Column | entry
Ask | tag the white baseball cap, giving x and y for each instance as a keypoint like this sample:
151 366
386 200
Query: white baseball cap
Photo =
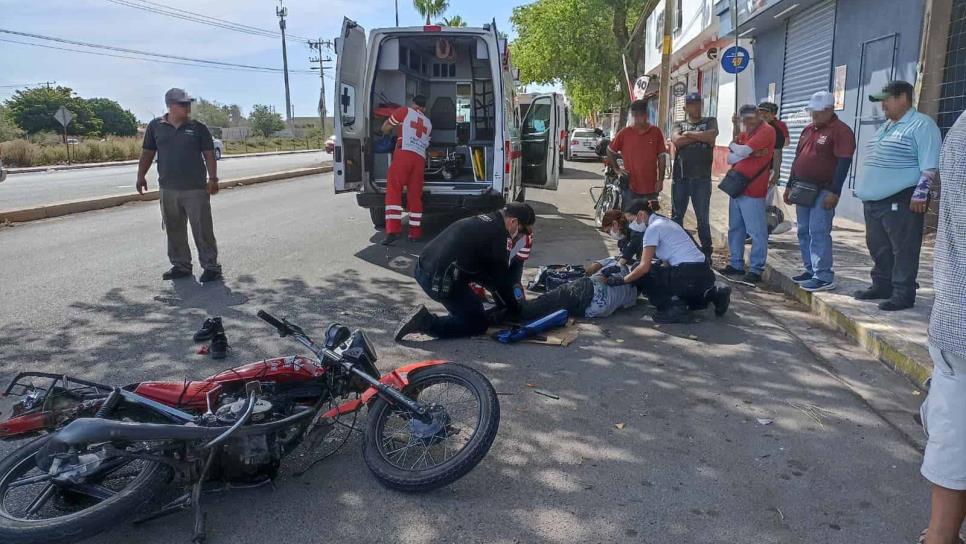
820 101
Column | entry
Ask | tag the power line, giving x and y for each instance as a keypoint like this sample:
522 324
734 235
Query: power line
101 54
185 15
145 53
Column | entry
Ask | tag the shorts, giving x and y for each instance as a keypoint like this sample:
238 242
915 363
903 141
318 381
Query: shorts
944 421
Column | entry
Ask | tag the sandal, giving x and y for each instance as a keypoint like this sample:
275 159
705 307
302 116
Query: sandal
922 537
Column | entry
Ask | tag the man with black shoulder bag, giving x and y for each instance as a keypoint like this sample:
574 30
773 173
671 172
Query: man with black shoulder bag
822 162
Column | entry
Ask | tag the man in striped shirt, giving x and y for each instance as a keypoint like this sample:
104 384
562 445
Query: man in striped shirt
893 182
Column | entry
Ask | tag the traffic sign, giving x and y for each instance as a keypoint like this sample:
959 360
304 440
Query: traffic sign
735 59
63 116
640 87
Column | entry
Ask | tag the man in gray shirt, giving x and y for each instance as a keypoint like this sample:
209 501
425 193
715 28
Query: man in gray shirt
185 151
944 410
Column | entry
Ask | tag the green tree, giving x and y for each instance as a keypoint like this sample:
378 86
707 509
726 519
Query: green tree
114 119
580 43
264 121
8 129
455 20
211 113
431 8
33 111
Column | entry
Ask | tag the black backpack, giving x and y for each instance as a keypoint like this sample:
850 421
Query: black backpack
554 275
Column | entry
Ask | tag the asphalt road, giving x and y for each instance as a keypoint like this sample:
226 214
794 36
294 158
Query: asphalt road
41 188
759 427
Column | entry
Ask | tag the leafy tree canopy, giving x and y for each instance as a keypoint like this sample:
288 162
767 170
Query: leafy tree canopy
114 119
33 111
264 121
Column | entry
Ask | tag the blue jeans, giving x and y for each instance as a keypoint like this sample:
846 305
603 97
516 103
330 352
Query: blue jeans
746 217
815 238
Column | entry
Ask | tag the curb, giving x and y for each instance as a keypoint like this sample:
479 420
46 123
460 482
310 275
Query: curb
910 360
58 167
77 206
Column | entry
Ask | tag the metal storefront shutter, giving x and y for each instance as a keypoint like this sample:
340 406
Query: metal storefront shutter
808 69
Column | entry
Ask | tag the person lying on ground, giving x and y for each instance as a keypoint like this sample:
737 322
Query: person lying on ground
684 272
584 297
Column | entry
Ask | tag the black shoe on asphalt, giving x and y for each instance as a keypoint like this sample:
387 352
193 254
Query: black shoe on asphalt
210 275
175 273
208 329
390 239
872 293
751 277
721 299
219 345
673 314
415 321
894 305
730 271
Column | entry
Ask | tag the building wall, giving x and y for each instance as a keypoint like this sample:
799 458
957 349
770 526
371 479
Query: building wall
698 16
769 52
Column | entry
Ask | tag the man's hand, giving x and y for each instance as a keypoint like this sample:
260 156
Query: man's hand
141 185
787 194
615 281
610 270
773 181
831 201
919 206
212 186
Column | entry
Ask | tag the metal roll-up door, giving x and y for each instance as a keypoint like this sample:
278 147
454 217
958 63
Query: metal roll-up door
808 69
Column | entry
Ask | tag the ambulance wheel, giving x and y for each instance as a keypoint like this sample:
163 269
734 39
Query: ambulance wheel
378 216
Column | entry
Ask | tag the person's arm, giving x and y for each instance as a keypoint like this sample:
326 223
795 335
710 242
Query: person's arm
613 149
678 137
661 161
149 148
928 149
394 120
207 144
708 136
838 181
503 281
776 169
635 243
643 268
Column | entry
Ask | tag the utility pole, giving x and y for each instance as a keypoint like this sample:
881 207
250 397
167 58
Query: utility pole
397 12
282 12
665 88
317 46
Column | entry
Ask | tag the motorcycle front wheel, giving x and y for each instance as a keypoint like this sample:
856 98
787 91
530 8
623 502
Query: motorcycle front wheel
36 509
409 454
608 201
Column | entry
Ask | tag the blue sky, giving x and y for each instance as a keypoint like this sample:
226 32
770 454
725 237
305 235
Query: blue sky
139 86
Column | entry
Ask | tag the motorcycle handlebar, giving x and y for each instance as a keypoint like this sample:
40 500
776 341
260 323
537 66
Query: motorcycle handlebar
273 321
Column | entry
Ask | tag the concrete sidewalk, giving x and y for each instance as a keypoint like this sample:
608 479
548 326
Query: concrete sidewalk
897 338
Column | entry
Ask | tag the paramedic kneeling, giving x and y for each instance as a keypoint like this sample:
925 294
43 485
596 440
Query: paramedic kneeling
685 272
407 169
470 250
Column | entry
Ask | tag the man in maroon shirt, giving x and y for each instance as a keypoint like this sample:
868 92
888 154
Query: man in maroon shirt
823 158
644 153
750 155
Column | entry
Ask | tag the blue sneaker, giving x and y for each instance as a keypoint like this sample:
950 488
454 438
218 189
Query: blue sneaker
816 284
802 278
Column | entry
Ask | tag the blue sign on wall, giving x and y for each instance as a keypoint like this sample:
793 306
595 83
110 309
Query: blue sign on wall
735 59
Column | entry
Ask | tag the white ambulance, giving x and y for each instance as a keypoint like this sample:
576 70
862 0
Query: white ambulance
482 153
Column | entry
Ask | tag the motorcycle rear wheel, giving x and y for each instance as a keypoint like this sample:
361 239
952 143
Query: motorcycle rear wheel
119 504
608 201
389 457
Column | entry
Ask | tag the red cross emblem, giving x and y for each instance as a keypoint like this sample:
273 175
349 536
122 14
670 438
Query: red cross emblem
419 127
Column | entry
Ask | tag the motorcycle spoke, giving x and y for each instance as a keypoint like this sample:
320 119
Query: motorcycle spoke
29 481
94 490
41 499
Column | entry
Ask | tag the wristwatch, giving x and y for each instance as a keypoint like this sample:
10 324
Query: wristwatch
212 179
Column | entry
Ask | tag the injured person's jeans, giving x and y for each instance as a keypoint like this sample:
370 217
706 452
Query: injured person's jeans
574 297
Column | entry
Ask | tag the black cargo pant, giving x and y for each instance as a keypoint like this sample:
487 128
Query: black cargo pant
893 234
574 297
466 314
690 282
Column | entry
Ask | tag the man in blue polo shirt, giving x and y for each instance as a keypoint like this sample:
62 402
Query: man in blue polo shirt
894 182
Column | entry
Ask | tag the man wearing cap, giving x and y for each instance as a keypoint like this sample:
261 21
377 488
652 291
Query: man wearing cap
693 139
750 155
769 114
822 159
185 151
471 250
894 181
644 153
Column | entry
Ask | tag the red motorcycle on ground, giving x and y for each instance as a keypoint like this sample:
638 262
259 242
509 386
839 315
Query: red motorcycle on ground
106 452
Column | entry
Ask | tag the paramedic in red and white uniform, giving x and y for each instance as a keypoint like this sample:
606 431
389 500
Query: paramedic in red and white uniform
407 168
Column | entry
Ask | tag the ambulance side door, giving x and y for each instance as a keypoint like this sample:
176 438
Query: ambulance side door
540 140
351 121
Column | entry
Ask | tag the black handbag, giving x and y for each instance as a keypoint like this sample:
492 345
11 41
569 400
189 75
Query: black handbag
734 183
803 193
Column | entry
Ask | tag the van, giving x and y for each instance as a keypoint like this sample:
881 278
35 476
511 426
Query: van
482 154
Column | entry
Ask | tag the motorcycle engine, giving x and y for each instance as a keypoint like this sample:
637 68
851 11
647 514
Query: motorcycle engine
249 458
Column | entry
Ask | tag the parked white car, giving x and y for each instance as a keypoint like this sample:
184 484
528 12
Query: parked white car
3 172
583 143
219 149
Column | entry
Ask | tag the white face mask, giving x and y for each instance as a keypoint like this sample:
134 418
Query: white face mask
615 234
638 227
